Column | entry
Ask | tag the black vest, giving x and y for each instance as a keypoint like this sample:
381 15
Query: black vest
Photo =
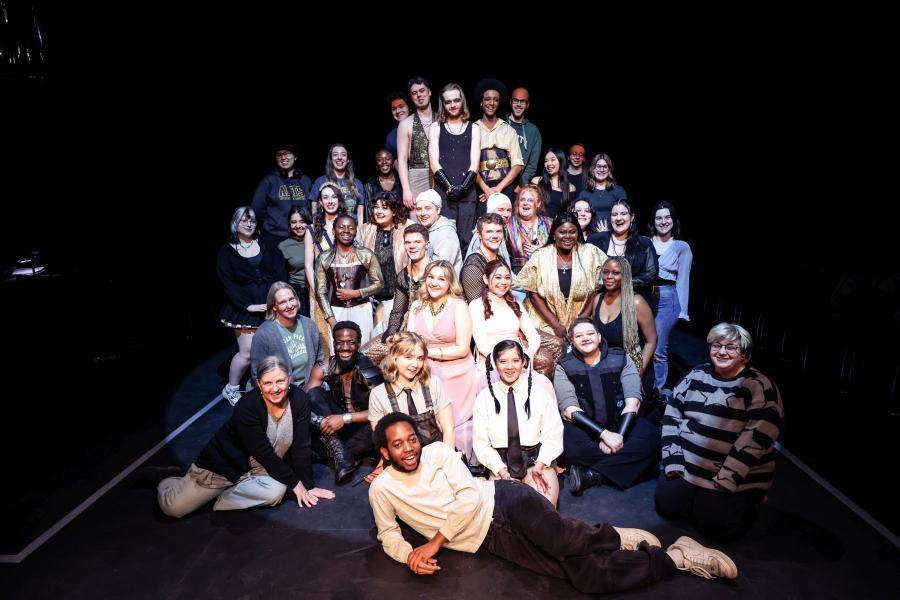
366 376
609 392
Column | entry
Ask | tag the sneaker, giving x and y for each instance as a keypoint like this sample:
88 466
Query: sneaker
631 538
232 393
702 561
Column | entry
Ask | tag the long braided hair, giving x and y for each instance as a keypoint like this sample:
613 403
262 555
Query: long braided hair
627 310
499 349
489 269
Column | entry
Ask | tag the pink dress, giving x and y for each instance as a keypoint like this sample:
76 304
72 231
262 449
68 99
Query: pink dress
458 376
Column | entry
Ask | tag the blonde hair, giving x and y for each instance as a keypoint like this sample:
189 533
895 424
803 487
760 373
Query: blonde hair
423 299
402 344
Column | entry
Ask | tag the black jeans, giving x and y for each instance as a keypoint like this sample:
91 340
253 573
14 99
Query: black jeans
721 515
303 296
624 468
529 532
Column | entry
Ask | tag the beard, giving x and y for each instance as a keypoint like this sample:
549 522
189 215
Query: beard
402 468
346 365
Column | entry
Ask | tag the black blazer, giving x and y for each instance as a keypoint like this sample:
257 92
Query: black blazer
244 435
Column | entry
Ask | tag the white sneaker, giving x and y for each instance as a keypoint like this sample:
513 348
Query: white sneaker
232 393
632 538
704 562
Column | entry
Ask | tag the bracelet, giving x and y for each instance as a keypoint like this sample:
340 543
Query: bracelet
348 418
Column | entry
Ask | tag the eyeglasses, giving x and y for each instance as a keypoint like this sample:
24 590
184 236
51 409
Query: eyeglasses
730 349
519 101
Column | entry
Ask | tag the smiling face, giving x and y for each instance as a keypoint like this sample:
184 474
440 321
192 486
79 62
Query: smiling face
576 156
285 159
600 170
527 205
384 215
274 385
346 344
519 102
490 102
384 162
611 275
403 447
329 199
339 158
453 102
582 210
509 365
421 95
286 307
427 213
437 283
663 221
298 226
586 339
399 109
499 282
551 163
726 357
409 364
620 218
567 237
505 211
345 230
247 226
491 236
415 246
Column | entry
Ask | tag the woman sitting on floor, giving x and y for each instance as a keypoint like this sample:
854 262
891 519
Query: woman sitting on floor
259 454
520 437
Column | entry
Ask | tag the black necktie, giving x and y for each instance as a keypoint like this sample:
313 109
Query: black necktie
410 405
514 459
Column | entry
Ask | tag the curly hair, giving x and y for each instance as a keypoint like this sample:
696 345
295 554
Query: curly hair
392 202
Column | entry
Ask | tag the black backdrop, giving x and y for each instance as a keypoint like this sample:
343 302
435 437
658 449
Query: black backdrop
124 163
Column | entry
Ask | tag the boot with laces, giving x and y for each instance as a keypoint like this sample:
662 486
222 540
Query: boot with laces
702 561
632 538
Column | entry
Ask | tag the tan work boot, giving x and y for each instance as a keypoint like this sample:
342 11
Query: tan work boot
631 538
703 561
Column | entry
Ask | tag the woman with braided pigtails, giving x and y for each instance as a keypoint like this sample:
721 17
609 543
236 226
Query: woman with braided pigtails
519 436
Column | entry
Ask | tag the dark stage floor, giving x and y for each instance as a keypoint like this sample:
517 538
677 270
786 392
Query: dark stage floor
806 544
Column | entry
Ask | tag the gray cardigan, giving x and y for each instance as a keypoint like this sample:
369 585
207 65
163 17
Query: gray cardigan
267 342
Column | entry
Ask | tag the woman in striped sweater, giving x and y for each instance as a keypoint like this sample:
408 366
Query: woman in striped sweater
718 439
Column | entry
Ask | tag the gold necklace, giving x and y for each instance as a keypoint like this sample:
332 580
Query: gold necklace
434 312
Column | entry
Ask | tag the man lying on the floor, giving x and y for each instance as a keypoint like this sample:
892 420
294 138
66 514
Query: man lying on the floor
431 490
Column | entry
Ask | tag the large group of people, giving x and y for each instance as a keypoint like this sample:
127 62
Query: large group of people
469 312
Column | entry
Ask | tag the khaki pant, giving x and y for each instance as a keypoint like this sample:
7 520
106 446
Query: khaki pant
179 496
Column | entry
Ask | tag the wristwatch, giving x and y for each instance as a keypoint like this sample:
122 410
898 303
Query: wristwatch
348 418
